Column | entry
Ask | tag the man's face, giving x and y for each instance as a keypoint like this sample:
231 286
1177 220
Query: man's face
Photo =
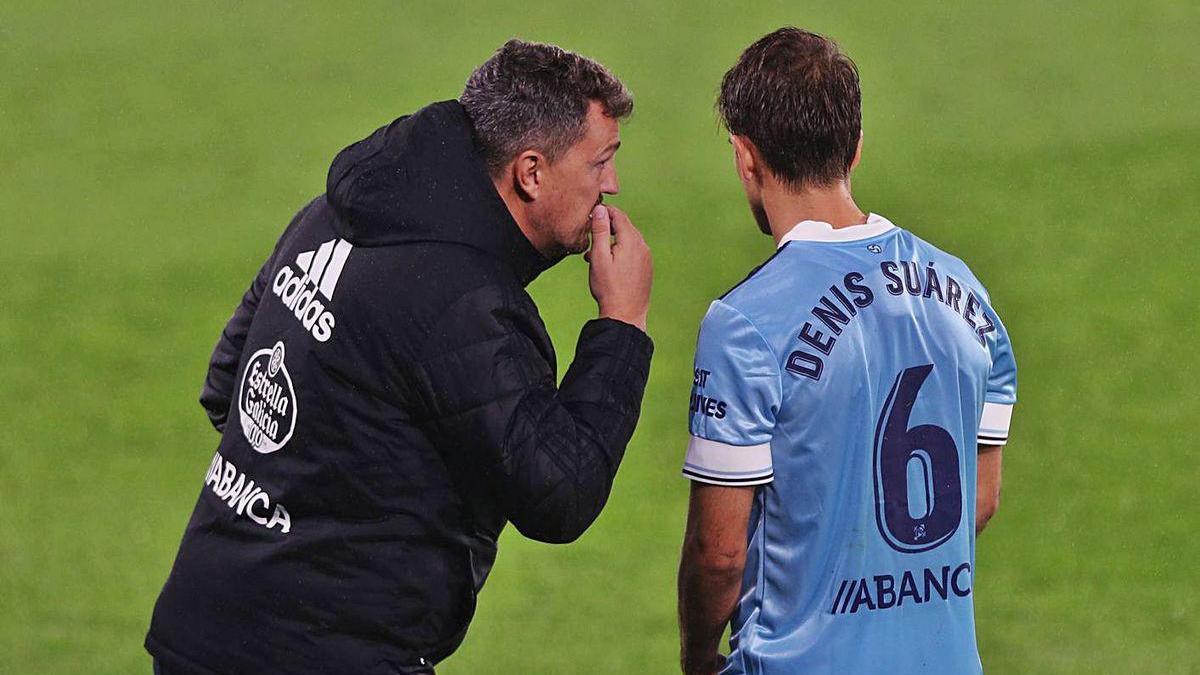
576 183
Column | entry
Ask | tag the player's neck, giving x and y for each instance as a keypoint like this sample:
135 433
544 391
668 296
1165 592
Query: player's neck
834 205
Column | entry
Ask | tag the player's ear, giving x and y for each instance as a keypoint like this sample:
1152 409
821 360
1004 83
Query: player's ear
745 159
527 174
857 152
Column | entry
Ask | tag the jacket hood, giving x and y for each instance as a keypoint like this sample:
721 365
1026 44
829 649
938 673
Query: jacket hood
422 179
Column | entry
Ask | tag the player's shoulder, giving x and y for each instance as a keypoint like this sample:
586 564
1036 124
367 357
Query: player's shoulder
927 251
756 297
755 281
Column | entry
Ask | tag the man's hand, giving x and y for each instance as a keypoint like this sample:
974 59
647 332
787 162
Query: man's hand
621 270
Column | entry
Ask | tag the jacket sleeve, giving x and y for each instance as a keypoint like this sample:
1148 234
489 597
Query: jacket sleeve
548 454
216 396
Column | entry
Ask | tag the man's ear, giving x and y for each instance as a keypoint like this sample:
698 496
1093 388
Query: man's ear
857 152
745 158
527 172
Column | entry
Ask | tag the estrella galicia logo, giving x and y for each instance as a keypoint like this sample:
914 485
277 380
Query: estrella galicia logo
875 248
267 400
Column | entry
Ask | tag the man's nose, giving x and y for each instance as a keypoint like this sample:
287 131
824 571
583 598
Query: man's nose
610 185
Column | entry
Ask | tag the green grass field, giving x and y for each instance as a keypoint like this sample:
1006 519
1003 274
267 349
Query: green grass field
152 153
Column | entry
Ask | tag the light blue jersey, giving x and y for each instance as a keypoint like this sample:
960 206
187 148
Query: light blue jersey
852 376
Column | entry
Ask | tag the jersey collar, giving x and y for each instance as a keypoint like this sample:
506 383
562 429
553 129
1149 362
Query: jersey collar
815 230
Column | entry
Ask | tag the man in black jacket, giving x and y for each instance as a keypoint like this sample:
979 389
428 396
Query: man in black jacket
386 390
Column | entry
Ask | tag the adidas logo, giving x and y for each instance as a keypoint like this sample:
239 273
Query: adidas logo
319 273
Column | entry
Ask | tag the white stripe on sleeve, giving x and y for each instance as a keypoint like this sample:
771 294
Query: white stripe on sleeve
994 423
722 464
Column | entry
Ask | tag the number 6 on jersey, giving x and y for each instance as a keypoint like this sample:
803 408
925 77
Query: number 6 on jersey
918 492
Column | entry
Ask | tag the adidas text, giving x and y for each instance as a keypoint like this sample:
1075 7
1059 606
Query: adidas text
301 292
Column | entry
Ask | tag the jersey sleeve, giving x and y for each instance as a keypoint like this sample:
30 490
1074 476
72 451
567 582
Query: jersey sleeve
1001 390
736 392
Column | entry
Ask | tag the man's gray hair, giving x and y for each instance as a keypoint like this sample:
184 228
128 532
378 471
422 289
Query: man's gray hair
531 95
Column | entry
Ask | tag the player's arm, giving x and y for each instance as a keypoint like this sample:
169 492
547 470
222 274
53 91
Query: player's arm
736 392
994 424
710 571
987 492
217 394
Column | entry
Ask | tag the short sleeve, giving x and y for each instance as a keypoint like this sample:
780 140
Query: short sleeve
735 397
1001 390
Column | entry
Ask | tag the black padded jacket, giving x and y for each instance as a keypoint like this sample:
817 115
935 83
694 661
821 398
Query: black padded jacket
387 397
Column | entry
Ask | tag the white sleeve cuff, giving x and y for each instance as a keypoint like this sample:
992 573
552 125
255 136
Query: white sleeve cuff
722 464
993 424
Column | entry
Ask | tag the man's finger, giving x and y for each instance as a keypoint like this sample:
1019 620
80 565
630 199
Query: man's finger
601 230
622 226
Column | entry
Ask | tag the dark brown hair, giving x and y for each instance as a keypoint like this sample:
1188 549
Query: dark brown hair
535 95
795 95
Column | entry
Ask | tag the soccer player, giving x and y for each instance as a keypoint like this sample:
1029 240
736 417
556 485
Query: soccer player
849 403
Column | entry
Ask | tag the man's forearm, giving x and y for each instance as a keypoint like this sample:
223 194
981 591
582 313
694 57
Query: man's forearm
708 593
565 446
549 453
710 570
217 393
987 486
